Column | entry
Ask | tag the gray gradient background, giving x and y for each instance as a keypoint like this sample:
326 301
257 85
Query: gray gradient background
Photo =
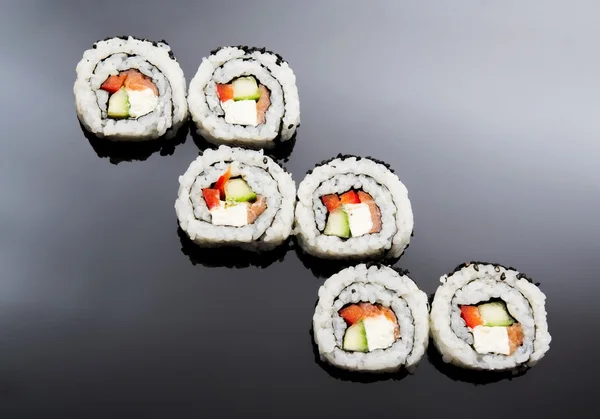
488 111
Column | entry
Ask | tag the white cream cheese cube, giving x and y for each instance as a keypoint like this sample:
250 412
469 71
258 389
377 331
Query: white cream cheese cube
379 331
242 112
230 215
359 218
491 340
141 102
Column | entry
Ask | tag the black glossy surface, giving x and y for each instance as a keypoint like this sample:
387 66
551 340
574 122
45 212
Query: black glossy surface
488 113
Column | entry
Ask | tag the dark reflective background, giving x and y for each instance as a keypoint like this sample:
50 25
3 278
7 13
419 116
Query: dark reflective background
488 113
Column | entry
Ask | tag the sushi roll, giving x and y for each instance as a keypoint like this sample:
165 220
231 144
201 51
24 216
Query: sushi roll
236 197
352 207
130 89
488 317
371 319
243 96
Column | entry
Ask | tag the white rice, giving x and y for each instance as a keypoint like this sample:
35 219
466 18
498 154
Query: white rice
377 285
338 176
282 117
263 175
108 58
478 282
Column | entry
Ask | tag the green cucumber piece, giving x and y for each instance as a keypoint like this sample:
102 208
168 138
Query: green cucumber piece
495 314
245 88
238 190
338 224
355 338
118 104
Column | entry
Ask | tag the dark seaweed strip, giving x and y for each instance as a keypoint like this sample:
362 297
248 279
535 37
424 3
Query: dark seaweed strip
452 303
250 50
343 157
337 297
279 61
493 299
153 66
126 38
412 343
349 238
516 289
348 156
278 136
247 164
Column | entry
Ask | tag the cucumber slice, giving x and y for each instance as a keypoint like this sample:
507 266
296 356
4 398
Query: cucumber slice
238 190
245 88
495 314
355 338
338 224
118 104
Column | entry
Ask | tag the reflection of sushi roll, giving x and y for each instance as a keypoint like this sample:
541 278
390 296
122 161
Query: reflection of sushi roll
371 319
130 89
232 196
244 96
488 317
352 207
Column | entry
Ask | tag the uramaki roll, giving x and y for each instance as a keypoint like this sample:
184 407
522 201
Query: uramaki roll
353 207
232 196
371 319
488 317
244 96
130 89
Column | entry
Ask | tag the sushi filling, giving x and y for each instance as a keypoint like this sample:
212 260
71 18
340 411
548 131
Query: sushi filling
132 95
352 214
494 330
370 327
232 202
244 101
